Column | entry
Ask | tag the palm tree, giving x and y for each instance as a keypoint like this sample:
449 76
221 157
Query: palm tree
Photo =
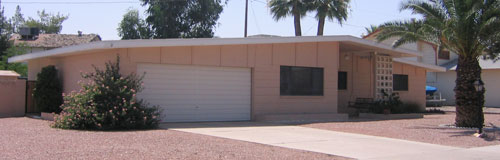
331 9
371 29
466 27
283 8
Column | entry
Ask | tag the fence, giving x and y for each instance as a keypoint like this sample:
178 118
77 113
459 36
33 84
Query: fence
12 94
30 101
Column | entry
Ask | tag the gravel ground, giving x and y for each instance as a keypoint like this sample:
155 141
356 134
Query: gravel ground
492 110
423 130
26 138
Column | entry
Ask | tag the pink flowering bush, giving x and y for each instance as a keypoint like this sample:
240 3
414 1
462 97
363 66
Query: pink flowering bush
107 101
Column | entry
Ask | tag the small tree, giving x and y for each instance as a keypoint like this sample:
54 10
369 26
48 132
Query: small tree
107 101
48 90
133 26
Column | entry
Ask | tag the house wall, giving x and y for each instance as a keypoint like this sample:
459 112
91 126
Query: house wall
416 83
12 95
35 66
264 59
490 77
360 79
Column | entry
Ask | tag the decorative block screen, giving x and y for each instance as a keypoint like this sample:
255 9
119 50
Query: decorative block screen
383 72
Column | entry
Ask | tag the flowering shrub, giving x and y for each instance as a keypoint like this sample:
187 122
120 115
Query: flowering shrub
107 100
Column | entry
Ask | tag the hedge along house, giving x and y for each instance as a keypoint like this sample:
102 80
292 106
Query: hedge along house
233 79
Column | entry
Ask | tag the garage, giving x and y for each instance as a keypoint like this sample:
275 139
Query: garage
188 93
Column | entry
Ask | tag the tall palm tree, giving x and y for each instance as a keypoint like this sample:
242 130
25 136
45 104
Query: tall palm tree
331 9
283 8
469 28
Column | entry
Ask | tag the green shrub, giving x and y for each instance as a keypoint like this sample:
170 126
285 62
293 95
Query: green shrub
435 111
48 90
395 105
107 101
407 107
388 102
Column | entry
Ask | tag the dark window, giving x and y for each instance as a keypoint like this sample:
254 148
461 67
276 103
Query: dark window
301 81
400 82
342 83
444 55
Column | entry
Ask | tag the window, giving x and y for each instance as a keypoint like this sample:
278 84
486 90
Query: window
444 55
400 82
342 83
301 81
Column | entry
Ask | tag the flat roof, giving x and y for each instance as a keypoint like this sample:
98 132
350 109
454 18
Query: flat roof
115 44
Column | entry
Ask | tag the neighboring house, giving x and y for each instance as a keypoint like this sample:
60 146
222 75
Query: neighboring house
445 81
232 79
42 42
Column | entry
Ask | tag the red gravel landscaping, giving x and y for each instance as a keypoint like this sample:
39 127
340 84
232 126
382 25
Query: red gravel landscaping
425 130
26 138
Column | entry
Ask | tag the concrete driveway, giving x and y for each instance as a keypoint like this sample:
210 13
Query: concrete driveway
330 142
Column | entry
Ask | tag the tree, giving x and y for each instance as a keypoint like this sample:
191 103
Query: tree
48 22
4 40
466 27
4 33
183 19
11 51
17 20
284 8
133 27
331 9
371 29
48 90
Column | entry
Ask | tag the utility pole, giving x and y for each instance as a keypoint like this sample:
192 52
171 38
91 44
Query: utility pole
246 17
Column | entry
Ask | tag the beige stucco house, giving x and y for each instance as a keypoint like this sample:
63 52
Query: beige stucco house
232 79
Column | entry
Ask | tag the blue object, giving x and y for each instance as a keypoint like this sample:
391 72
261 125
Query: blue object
430 89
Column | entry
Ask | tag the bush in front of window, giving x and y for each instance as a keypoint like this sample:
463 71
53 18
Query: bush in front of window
107 101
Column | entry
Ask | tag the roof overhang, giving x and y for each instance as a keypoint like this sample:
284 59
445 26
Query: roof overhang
429 67
116 44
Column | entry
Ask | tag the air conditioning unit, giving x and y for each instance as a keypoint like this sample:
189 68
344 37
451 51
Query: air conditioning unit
29 32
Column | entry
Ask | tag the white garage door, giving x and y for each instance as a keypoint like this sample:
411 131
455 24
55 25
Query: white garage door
194 93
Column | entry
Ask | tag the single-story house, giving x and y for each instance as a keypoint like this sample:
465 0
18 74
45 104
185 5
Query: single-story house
260 78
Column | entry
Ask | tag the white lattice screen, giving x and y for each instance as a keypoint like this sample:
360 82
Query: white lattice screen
383 72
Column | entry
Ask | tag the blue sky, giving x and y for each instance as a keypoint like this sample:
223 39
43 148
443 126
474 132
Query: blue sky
103 18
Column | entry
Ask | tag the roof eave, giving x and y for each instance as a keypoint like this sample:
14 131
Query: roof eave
429 67
203 42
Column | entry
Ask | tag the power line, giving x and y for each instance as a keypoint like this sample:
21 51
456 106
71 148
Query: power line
77 2
255 18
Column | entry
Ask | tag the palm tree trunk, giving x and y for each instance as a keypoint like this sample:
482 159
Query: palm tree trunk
321 26
296 20
469 102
